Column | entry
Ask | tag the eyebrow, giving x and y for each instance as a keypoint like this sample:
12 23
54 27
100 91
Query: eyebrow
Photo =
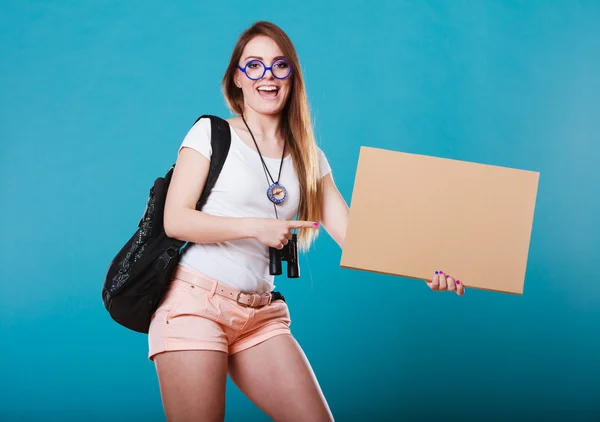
260 58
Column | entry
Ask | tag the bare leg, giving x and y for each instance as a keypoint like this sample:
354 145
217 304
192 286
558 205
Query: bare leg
278 378
192 385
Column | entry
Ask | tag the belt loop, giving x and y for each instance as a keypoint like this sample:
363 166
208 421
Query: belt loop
213 289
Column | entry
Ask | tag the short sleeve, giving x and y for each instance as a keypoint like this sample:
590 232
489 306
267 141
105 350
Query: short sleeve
198 138
324 167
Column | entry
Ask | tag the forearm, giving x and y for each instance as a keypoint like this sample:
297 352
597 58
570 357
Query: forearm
335 212
198 227
336 226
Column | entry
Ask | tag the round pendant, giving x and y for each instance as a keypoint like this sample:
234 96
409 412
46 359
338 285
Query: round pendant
277 193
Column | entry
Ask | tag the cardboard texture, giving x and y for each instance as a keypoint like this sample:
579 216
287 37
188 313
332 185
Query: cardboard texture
411 215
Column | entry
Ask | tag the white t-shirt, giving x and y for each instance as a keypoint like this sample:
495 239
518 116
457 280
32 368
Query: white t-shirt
241 191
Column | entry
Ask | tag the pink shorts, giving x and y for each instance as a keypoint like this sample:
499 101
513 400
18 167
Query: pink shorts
190 318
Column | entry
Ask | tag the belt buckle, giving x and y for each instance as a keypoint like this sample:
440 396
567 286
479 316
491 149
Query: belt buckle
237 299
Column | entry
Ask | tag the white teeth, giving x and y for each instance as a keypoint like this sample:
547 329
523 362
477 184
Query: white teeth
267 88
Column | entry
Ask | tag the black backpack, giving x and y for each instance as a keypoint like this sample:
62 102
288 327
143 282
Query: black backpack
139 276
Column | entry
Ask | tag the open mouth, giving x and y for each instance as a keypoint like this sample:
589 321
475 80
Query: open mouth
268 92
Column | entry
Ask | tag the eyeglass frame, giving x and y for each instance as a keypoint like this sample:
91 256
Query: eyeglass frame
265 68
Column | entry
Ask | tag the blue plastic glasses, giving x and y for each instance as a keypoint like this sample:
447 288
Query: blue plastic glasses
255 69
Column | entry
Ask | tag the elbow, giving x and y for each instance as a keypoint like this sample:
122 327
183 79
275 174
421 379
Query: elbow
170 225
340 239
338 234
170 231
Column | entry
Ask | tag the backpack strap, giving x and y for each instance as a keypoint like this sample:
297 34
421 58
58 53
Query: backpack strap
220 140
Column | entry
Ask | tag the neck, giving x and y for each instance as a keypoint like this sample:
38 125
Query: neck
263 126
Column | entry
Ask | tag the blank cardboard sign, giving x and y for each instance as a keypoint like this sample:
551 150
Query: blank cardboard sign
413 214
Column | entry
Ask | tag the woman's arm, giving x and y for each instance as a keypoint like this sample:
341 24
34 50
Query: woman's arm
181 219
334 211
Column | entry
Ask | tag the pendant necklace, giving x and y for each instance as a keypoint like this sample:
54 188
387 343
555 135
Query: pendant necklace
277 193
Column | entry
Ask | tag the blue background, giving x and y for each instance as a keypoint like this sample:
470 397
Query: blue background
97 96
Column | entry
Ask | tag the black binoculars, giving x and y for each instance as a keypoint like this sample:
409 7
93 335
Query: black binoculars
289 253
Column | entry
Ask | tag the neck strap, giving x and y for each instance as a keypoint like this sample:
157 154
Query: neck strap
267 172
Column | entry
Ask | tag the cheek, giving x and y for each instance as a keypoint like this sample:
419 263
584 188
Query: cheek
287 90
244 83
247 88
285 85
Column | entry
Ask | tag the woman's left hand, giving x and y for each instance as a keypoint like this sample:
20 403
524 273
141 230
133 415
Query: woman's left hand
443 282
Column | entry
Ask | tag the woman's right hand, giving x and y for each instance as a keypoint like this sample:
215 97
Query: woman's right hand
277 233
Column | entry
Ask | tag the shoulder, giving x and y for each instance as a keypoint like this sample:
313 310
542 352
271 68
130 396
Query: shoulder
201 127
198 137
203 124
324 166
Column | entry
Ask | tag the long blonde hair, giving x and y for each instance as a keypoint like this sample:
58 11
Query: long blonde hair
296 126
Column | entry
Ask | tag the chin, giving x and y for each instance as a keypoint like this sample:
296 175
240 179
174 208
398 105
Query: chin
270 111
268 108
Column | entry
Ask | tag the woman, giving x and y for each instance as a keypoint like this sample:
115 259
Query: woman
209 325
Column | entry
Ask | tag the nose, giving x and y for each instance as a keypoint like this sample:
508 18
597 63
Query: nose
268 73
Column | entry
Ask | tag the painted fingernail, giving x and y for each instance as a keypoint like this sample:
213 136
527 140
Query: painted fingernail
436 272
316 224
441 272
457 281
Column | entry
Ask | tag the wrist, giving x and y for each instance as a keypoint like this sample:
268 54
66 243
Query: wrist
248 226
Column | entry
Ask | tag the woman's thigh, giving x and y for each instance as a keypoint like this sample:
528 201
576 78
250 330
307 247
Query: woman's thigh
192 384
278 378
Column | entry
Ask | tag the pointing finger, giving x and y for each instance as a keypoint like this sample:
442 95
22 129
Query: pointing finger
298 224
